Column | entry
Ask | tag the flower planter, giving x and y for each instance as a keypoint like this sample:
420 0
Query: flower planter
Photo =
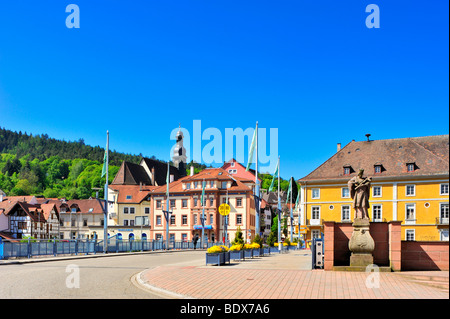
274 250
248 253
258 252
237 254
266 250
217 258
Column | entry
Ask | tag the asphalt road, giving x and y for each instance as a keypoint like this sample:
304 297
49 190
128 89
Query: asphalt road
92 278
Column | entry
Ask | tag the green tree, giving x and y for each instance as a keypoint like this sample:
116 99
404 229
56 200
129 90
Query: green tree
238 239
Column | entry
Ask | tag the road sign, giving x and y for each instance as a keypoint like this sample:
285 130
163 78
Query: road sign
224 209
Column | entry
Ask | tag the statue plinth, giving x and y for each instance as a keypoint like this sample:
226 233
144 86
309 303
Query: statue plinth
361 244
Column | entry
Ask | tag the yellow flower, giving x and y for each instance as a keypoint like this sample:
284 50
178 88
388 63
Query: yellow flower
217 249
236 248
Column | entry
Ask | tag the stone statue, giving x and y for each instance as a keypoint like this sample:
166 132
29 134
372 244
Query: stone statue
359 187
361 244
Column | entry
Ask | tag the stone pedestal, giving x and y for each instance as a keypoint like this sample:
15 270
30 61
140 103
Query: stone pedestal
361 244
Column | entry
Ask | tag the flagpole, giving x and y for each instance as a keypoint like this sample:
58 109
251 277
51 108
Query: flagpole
292 215
258 229
105 223
203 213
279 208
167 208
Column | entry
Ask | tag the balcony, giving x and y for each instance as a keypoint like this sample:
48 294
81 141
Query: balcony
315 222
442 221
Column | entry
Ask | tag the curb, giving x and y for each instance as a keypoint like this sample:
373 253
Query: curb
156 290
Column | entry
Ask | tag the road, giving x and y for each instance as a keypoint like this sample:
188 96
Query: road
92 278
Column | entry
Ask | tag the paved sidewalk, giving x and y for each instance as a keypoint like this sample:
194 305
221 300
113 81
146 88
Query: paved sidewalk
282 276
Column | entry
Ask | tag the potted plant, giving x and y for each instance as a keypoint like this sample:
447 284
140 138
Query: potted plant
266 249
248 251
217 255
257 251
258 243
236 252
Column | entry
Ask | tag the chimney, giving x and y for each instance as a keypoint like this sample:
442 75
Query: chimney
338 147
192 170
368 135
153 176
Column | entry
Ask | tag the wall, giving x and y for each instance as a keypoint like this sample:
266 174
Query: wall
390 250
420 255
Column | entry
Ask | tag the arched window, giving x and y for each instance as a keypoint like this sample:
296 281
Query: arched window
144 236
131 236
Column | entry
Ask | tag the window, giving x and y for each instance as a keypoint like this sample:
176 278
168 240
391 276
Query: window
188 185
73 223
410 167
224 200
410 190
172 203
345 192
61 222
211 219
315 233
125 222
184 203
232 164
444 234
224 184
129 197
239 202
211 201
410 234
158 220
85 222
376 213
125 210
346 170
410 213
195 219
315 213
158 204
377 169
184 219
238 219
147 210
73 210
316 193
131 210
444 189
158 237
195 201
444 208
211 184
184 237
172 220
195 184
376 190
131 222
345 213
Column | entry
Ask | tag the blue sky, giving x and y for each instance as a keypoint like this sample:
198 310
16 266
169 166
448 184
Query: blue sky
312 69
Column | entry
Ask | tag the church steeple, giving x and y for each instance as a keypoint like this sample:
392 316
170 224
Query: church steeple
179 154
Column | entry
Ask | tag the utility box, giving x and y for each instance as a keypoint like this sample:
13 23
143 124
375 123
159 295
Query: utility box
317 251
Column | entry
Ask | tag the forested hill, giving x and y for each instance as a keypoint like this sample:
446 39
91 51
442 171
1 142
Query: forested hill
40 165
43 147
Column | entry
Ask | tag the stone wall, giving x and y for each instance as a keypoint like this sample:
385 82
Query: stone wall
424 255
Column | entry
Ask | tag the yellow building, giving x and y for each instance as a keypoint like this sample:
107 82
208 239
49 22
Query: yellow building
410 183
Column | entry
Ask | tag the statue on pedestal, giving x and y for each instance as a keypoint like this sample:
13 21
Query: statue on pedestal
361 244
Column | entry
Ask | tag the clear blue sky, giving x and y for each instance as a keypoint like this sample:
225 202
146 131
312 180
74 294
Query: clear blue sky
312 69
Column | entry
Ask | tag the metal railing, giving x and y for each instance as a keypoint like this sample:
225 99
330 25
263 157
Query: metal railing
441 220
45 247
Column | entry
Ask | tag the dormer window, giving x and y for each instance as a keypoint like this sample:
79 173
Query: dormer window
129 197
378 168
411 167
348 169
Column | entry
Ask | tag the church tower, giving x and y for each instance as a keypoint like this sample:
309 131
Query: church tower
179 154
